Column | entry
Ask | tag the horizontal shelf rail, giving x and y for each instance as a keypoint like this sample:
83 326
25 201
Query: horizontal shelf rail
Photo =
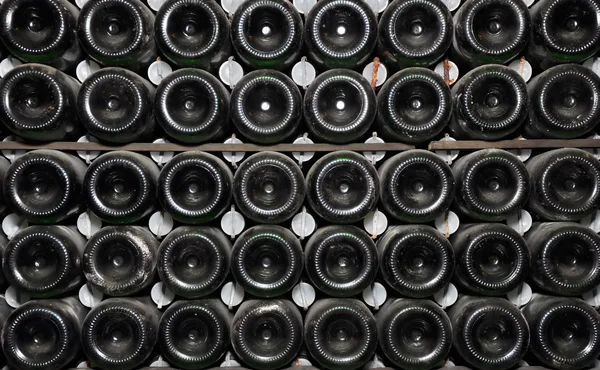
514 144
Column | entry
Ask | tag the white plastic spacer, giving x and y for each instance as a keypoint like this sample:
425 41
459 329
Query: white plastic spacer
232 223
593 64
161 157
11 154
529 3
85 69
522 67
304 6
378 6
230 6
520 222
523 154
14 298
12 224
302 157
88 224
521 295
161 295
7 64
160 224
229 361
303 224
155 4
232 294
80 3
375 223
592 221
82 365
303 295
158 70
233 157
447 223
88 155
375 363
452 4
303 73
592 297
231 72
447 296
89 296
453 71
375 295
374 157
381 73
301 361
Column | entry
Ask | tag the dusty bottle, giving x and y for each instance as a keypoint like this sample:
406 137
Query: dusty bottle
415 33
39 103
339 106
269 187
41 31
488 333
120 187
120 260
416 186
564 184
194 261
193 33
414 333
490 31
118 33
267 33
491 184
563 32
491 259
115 105
266 106
341 260
192 106
267 260
194 334
565 258
267 334
416 260
490 103
414 105
195 187
340 333
44 334
564 103
44 261
342 187
44 186
341 33
120 333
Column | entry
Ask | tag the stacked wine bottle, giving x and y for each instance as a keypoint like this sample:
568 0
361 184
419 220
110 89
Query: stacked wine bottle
122 252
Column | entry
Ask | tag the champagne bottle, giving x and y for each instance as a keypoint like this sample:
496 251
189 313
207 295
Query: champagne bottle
490 103
193 33
563 32
488 333
195 187
491 259
564 184
194 261
120 333
340 333
44 186
267 334
115 105
191 105
194 334
44 261
41 31
269 187
267 33
416 260
39 103
120 260
120 187
565 256
564 103
339 105
415 33
491 184
267 260
43 334
490 31
342 187
118 33
565 332
340 33
416 186
266 106
414 333
341 260
414 105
